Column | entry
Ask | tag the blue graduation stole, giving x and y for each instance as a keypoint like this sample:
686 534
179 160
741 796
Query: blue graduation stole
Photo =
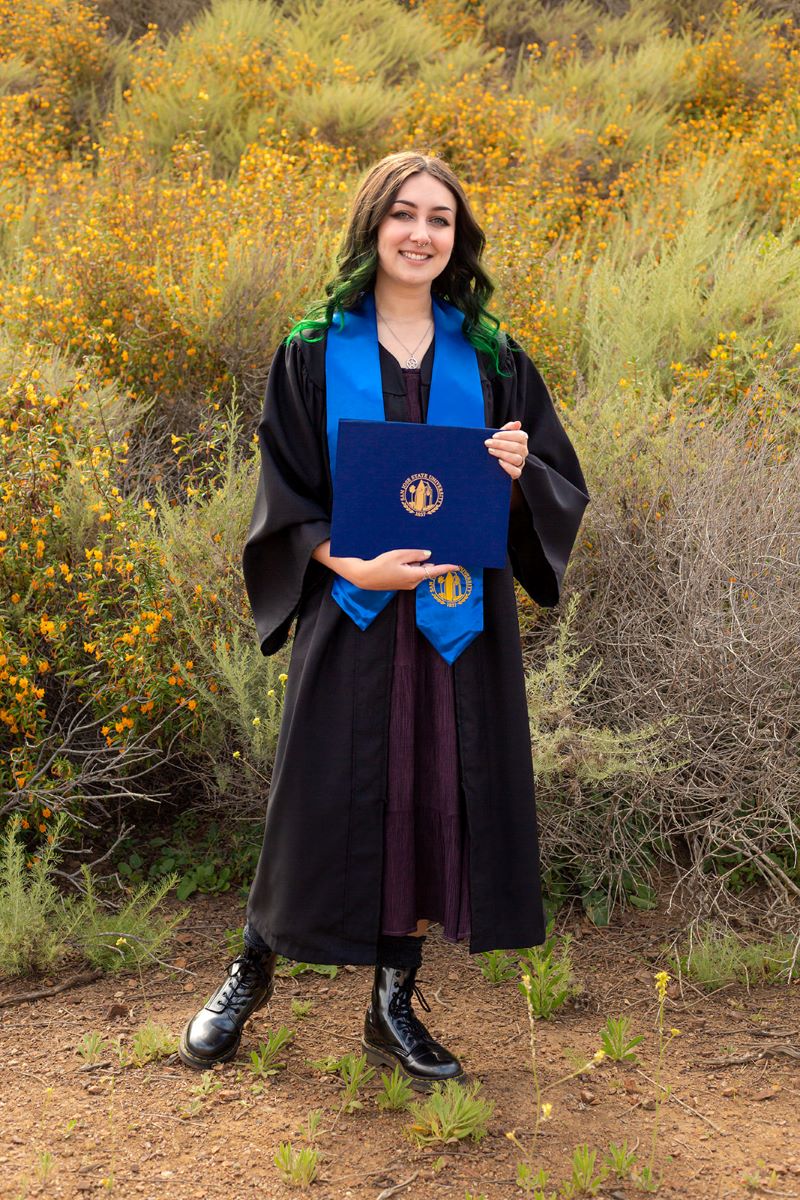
449 608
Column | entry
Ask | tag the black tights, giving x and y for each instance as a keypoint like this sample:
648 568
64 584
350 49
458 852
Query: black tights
391 951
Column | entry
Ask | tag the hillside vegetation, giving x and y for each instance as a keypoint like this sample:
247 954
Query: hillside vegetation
173 181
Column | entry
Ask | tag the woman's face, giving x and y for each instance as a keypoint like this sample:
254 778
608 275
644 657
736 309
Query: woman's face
415 238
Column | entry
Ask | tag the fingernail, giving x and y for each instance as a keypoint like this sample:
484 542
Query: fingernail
427 553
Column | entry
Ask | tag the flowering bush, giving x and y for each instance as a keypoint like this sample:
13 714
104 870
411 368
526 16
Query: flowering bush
171 202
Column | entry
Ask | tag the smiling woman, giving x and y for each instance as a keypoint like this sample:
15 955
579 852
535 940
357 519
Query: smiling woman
415 241
402 791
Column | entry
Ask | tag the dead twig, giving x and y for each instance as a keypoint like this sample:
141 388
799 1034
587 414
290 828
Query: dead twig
76 981
398 1187
737 1060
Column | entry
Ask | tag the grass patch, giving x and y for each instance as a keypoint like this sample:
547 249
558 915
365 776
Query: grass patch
298 1168
715 958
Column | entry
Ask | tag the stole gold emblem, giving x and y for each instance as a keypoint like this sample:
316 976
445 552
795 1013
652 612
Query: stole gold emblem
451 588
421 495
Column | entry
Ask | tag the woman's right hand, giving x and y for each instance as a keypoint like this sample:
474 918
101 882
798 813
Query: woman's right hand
394 570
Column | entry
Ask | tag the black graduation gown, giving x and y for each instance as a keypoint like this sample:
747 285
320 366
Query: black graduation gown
317 888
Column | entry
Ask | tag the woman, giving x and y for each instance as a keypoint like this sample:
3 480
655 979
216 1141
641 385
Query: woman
402 791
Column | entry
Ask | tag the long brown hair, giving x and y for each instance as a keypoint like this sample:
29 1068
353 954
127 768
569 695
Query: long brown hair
463 282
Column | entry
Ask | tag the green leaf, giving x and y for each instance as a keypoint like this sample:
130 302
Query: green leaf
299 967
595 905
185 888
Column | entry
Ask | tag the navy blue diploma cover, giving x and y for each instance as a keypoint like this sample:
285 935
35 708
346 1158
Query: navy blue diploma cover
403 485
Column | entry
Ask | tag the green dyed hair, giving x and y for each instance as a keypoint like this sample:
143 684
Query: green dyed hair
463 282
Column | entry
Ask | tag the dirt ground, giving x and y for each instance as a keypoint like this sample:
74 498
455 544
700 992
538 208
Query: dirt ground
720 1127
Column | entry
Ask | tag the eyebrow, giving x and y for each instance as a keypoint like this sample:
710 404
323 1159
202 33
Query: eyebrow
436 207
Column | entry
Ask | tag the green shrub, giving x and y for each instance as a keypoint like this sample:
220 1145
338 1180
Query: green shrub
31 913
450 1112
548 980
132 935
593 843
617 1041
39 928
353 1072
497 966
149 1043
396 1091
264 1061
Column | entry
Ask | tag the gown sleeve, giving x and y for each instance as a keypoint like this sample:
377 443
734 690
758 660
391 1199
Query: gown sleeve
291 515
545 519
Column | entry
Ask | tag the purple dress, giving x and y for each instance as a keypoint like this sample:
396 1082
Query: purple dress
426 839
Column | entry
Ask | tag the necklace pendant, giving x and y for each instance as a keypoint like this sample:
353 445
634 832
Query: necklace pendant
411 363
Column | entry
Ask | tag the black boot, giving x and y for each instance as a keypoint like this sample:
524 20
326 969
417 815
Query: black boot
394 1036
214 1033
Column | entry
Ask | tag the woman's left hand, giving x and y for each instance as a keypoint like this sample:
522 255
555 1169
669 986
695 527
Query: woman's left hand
509 446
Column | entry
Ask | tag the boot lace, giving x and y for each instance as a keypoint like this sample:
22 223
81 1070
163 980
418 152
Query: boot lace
250 971
400 1008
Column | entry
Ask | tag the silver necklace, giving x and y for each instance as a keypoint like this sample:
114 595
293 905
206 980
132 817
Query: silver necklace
411 361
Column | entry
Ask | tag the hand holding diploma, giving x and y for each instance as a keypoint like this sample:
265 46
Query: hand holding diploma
390 571
509 445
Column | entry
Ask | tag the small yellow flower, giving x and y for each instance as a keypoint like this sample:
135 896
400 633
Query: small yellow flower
121 941
256 720
662 979
675 1032
547 1110
598 1056
283 678
237 754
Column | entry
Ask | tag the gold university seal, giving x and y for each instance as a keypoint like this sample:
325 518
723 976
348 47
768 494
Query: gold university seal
452 588
421 494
